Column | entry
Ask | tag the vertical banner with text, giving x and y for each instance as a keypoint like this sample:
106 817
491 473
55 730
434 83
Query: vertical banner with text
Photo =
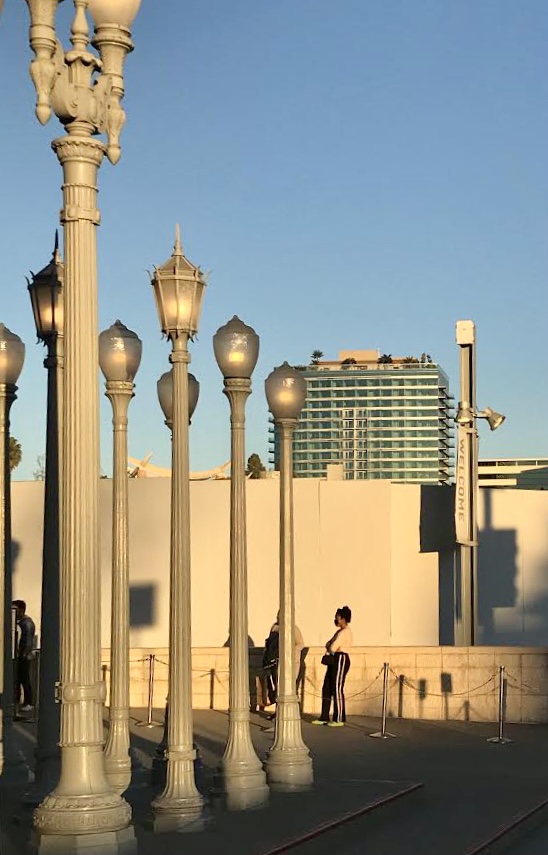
463 487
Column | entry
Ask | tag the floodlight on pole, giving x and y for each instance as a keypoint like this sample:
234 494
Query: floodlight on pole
466 481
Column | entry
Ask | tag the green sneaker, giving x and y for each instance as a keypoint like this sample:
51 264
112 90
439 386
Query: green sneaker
335 723
318 721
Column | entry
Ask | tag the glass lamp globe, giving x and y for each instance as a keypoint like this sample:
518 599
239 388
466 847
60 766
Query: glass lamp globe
285 389
165 395
12 356
119 353
121 13
236 348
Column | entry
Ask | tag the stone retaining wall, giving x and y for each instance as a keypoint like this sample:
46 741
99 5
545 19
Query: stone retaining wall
425 682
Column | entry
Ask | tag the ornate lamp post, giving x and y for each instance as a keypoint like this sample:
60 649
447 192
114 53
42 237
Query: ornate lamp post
119 357
46 295
236 349
12 357
178 289
85 93
289 765
165 397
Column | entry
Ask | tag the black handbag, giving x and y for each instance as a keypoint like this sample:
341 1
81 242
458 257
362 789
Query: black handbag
328 659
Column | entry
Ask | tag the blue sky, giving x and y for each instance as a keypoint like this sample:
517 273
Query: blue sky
355 174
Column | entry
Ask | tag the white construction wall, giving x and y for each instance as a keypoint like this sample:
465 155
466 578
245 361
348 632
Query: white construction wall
384 549
356 544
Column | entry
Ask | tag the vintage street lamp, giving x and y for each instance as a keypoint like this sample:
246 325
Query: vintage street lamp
85 91
236 349
164 388
178 289
12 357
289 765
46 296
119 357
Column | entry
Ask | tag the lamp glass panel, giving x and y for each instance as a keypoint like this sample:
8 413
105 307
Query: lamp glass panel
47 305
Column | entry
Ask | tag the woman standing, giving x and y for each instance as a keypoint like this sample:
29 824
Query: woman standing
337 659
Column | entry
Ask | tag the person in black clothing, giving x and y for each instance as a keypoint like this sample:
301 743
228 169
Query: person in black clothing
270 663
25 652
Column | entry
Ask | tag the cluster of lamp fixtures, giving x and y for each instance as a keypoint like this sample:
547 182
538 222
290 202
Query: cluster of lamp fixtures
465 417
178 289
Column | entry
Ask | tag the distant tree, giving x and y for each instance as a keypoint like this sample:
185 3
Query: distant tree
254 467
16 453
410 360
316 356
349 361
385 359
39 473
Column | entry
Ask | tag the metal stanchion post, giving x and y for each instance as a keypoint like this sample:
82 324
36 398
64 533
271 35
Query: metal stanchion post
383 733
149 722
501 739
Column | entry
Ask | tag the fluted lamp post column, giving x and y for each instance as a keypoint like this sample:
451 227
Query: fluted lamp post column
119 357
289 765
84 90
178 289
12 357
164 388
46 295
236 349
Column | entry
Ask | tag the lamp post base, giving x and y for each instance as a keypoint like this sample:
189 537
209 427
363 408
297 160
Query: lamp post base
106 843
243 785
290 771
289 765
76 816
178 814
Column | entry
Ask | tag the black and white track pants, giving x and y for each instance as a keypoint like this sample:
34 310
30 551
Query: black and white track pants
333 688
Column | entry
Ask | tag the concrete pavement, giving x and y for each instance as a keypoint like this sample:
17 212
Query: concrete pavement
470 788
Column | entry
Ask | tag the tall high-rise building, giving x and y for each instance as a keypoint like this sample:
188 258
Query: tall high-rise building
376 417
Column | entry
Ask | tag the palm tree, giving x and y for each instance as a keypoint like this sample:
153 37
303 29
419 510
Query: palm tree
316 356
410 360
254 467
349 361
16 454
385 359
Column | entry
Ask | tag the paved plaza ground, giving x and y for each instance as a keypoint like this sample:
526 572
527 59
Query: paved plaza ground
469 789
